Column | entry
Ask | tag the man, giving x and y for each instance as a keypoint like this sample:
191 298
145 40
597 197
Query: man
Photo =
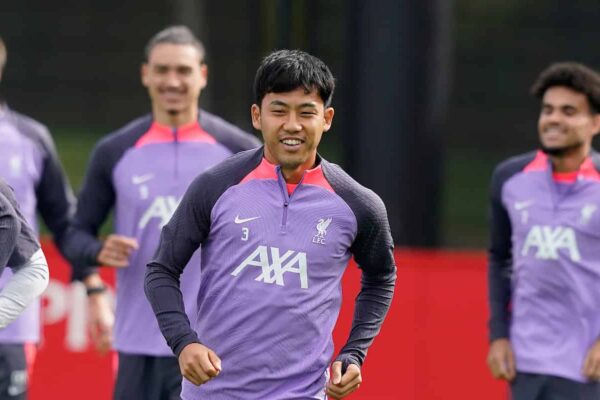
544 270
141 171
277 226
20 249
30 165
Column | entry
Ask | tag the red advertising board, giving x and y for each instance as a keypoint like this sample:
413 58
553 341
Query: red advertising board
432 345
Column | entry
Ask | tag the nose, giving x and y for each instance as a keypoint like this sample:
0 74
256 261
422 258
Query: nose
291 123
172 79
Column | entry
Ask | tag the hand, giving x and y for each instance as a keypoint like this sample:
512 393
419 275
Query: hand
501 360
101 321
591 365
199 364
340 385
116 250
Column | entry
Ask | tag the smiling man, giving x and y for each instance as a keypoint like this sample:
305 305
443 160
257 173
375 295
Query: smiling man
544 259
277 226
141 171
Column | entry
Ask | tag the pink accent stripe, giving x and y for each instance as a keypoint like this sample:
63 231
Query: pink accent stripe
164 134
265 170
114 365
315 177
291 187
565 177
30 350
588 170
539 163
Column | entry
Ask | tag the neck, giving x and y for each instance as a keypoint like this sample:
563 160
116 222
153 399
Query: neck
571 161
175 120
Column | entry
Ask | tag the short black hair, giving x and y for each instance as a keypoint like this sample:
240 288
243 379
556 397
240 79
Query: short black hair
575 76
176 34
287 70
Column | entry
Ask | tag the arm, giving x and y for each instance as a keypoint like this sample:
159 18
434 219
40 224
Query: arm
24 286
184 233
500 360
179 239
373 251
95 200
55 200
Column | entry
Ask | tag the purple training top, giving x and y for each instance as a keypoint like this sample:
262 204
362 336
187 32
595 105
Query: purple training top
142 172
272 266
30 165
549 234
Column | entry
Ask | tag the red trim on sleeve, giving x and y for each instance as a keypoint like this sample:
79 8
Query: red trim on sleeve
588 170
164 134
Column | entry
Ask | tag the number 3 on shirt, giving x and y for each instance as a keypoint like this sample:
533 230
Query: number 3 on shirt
245 233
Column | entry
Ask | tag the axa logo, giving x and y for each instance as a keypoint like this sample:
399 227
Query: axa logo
547 240
162 208
274 265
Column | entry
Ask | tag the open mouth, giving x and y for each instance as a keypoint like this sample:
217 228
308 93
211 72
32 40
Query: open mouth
291 143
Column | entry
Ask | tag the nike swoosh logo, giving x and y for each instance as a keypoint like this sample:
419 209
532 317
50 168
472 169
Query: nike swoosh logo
520 205
239 220
137 179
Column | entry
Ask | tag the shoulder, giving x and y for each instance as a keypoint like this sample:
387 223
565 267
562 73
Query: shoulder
31 128
515 164
230 171
232 137
364 202
127 135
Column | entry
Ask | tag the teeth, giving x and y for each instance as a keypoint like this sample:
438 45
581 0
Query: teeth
291 142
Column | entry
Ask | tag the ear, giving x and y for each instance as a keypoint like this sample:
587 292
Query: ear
144 74
204 75
255 114
328 118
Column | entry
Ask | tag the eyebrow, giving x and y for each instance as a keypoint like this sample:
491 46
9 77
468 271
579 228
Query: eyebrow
283 104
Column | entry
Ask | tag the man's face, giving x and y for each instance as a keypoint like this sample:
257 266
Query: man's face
174 77
292 124
566 121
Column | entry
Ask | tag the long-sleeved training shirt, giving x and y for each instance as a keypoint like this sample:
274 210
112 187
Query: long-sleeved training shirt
272 264
30 165
544 263
141 171
20 250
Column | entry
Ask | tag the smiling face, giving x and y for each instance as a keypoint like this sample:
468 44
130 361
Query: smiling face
566 123
174 76
292 124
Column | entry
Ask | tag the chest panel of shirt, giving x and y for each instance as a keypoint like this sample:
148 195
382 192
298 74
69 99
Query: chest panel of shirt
150 181
21 167
549 227
270 243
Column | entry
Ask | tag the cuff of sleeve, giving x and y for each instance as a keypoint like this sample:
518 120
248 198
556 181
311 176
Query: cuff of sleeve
348 359
188 339
499 332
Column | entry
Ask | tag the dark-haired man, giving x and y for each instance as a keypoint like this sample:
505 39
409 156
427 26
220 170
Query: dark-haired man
277 227
544 258
141 171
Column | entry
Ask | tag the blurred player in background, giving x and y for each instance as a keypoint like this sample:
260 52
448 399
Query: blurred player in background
544 259
277 226
20 250
141 171
30 165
